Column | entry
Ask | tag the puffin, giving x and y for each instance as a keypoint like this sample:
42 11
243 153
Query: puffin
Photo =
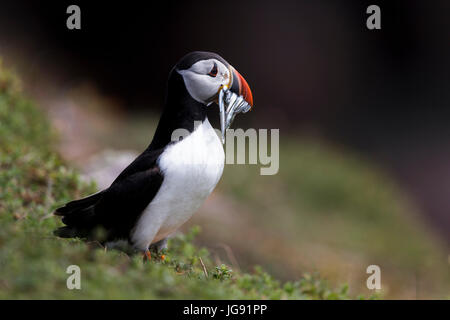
168 182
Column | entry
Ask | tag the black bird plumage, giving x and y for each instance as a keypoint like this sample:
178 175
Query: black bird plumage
115 210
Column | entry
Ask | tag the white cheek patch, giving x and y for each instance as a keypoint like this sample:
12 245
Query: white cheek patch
199 84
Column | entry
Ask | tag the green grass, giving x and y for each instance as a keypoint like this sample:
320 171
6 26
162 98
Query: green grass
34 181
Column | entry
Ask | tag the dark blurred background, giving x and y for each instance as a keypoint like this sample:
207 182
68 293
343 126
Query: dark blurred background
312 65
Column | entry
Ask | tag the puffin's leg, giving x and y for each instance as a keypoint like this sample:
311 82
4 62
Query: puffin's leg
147 256
160 246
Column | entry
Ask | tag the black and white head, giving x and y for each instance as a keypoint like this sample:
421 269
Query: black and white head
206 73
196 81
201 78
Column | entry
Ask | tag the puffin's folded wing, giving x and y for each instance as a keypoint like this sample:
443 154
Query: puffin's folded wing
76 205
115 209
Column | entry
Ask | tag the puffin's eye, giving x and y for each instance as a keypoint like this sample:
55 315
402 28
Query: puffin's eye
213 71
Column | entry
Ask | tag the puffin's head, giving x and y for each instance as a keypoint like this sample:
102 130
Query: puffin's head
206 73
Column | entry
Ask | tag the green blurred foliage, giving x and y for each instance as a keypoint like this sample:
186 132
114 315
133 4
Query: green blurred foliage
34 181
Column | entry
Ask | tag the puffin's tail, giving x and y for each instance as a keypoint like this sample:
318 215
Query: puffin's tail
78 216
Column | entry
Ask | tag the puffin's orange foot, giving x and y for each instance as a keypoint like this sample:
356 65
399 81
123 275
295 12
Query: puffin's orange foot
147 256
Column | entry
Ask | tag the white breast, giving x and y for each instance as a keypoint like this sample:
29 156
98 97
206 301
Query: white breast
191 168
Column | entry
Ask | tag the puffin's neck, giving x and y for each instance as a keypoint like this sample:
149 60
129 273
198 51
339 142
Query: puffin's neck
181 111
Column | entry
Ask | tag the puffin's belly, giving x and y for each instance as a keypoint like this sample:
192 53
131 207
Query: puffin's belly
192 168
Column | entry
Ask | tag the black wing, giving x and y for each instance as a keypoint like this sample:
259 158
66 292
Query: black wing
113 212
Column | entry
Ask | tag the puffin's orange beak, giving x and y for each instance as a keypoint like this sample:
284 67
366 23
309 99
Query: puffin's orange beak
240 87
233 100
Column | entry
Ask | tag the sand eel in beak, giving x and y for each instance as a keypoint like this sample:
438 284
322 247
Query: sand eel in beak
165 185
